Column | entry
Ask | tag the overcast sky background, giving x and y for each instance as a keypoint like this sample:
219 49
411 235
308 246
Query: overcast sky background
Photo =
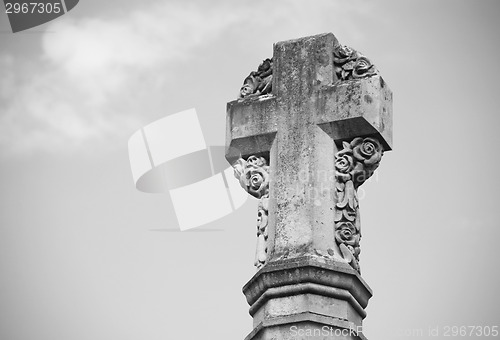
85 256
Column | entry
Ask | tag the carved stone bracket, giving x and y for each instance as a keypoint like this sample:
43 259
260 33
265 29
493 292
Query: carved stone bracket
253 175
354 164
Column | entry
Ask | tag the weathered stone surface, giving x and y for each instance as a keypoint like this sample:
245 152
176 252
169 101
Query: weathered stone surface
296 286
327 121
299 129
357 107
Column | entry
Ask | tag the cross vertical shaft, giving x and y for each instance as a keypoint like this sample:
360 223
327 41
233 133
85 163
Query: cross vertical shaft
304 162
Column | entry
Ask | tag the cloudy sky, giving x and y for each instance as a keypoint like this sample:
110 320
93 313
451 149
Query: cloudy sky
85 256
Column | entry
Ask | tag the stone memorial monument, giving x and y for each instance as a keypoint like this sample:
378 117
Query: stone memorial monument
309 127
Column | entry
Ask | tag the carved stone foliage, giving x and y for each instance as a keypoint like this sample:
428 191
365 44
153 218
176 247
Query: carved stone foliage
258 82
262 219
350 64
354 164
253 175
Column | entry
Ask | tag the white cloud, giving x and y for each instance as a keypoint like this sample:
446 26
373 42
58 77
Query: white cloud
94 72
101 48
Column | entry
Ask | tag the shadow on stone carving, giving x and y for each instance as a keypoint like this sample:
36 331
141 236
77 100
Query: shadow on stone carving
258 82
350 64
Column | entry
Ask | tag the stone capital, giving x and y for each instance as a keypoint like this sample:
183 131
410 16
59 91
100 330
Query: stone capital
326 294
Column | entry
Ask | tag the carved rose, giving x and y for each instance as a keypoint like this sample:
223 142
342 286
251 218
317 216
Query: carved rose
363 68
255 176
357 161
256 161
246 90
258 82
258 182
368 150
342 53
345 232
265 66
344 163
350 64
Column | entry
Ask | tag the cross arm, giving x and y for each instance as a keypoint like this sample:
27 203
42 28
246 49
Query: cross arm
357 108
251 125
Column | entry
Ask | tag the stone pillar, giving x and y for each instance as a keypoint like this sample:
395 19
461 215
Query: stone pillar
311 125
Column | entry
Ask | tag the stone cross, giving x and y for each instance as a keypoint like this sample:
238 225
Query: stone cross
303 147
